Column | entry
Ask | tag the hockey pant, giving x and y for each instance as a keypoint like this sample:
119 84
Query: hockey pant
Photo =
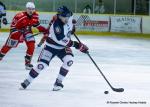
17 37
47 54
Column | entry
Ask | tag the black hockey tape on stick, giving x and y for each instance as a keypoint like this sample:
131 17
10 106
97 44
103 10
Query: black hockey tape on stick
114 89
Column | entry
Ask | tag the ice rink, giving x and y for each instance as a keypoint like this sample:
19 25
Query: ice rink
125 62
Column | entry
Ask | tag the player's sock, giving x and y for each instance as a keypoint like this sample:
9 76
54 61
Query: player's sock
25 84
32 74
28 64
30 79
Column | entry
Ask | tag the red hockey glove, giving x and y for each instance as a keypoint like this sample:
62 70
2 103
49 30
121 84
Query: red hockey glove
83 48
42 29
46 32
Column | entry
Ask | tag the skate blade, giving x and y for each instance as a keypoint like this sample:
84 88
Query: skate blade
21 88
57 88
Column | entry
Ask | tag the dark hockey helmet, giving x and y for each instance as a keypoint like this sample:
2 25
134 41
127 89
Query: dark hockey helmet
64 11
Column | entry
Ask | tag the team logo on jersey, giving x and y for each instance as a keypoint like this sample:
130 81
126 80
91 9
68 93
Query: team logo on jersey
40 66
58 30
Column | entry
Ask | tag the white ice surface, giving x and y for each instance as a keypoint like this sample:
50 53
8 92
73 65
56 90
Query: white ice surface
124 62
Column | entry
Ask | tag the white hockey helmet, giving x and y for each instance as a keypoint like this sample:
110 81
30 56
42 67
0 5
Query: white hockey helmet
30 5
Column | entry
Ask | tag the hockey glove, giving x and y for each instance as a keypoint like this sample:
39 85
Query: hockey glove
46 32
74 21
5 21
73 28
83 48
80 46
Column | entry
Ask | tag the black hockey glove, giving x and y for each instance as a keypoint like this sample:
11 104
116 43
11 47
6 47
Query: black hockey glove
5 21
73 28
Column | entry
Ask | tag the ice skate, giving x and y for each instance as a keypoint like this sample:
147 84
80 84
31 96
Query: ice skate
25 84
58 85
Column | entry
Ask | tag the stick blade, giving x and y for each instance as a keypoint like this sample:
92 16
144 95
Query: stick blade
118 89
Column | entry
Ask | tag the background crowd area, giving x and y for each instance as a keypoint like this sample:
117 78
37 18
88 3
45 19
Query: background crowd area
129 7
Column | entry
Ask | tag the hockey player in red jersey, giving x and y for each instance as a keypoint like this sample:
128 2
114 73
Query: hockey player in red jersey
21 30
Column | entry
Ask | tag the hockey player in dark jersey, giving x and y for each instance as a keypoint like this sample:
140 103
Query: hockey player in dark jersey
57 44
3 14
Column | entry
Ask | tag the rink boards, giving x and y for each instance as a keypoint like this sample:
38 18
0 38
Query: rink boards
97 24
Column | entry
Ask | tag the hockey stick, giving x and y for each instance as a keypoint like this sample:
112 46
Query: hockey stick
34 35
114 89
37 33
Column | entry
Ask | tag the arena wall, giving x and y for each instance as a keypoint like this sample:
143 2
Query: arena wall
96 24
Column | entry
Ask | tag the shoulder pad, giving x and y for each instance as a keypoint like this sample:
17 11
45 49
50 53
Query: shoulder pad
35 13
19 15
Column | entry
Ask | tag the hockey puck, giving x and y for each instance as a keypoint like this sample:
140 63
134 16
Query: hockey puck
106 92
